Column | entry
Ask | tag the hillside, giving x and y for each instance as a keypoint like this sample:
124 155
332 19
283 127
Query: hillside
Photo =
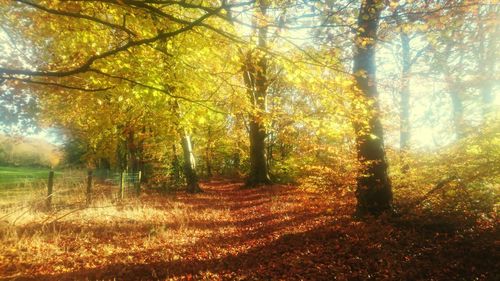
28 151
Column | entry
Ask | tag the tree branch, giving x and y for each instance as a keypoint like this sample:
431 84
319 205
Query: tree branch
161 13
29 81
77 15
419 54
161 90
87 64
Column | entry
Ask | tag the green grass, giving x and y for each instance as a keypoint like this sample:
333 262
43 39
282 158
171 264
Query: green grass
27 186
14 175
21 186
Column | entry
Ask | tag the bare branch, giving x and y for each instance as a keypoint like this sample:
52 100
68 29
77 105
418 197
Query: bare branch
29 81
161 13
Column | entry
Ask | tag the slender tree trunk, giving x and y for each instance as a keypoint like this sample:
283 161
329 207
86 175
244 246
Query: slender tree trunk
140 157
404 139
458 110
176 166
122 152
255 77
454 90
404 113
486 65
209 164
374 192
133 162
272 142
190 165
236 162
208 152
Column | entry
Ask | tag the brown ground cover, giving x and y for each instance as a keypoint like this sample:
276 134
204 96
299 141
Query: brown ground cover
228 233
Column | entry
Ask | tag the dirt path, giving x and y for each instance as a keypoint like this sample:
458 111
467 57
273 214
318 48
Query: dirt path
269 233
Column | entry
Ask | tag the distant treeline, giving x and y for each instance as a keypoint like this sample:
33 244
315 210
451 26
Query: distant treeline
28 152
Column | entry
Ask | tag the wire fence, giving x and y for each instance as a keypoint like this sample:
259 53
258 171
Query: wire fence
67 188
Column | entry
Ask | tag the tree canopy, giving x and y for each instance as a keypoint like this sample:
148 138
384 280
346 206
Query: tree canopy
275 90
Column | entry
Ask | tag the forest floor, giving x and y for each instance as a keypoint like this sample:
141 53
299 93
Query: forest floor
228 233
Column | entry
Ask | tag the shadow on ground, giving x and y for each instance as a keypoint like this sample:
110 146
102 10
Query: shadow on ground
285 234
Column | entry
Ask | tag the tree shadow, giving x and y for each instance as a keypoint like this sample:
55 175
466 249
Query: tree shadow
288 244
328 252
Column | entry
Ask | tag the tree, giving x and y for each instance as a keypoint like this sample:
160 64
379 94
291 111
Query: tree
406 23
463 57
255 68
190 165
488 34
374 192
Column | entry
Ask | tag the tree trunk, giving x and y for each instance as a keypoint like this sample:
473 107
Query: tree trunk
486 65
404 113
122 152
404 139
269 151
208 153
258 163
176 166
454 91
190 165
458 110
209 164
133 161
236 163
374 192
140 157
454 88
255 77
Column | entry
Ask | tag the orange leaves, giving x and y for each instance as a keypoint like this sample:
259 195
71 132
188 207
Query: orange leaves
271 233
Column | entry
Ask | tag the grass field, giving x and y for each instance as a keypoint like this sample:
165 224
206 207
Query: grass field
15 175
27 186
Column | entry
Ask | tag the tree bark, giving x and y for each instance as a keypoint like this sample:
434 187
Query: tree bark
258 162
374 191
190 165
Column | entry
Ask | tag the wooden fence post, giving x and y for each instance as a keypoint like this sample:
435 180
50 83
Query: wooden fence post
122 184
89 187
50 186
